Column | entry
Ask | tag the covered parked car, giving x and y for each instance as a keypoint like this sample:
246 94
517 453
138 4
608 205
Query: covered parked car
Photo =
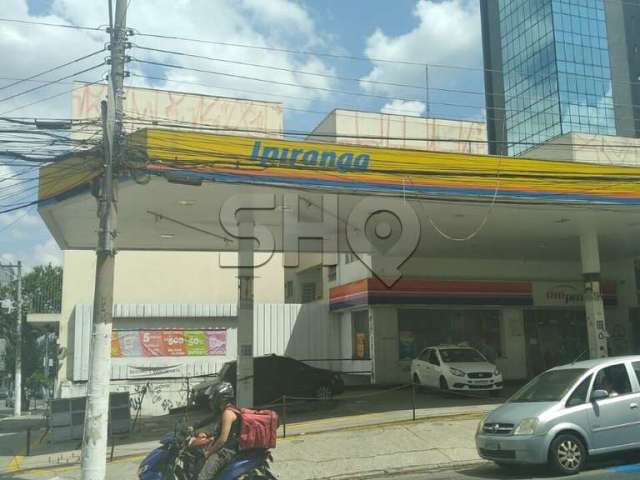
275 376
455 368
565 415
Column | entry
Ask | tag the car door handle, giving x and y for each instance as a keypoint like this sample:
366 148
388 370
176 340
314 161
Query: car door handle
633 405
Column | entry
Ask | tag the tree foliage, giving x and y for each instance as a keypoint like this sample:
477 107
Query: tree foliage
41 293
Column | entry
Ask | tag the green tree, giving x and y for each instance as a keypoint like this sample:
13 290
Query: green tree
41 293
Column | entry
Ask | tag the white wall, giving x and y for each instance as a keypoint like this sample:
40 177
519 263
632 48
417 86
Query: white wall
159 278
584 147
402 131
259 117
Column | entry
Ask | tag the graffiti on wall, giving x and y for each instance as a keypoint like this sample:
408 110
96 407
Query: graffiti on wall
143 107
159 397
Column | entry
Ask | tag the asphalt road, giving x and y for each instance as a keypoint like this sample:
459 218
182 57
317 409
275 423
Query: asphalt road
616 468
604 469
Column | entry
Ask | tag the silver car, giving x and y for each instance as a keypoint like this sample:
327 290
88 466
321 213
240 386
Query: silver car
566 414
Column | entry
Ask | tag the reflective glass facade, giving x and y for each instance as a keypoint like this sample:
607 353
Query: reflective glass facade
555 69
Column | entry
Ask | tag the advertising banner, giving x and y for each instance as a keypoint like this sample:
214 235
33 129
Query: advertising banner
216 342
168 343
195 342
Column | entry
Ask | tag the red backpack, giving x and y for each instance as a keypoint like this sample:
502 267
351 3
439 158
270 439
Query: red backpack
258 428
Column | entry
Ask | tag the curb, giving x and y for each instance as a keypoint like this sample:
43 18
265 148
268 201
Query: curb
374 474
455 417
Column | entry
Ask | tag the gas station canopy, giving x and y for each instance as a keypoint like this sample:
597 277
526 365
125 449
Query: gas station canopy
178 182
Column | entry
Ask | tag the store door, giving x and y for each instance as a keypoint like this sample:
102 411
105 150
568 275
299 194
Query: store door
554 337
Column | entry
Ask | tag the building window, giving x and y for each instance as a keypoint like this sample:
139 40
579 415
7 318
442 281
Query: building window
332 273
360 321
308 292
421 328
289 289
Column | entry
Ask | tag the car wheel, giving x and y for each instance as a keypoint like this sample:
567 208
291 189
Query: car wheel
444 386
567 454
323 392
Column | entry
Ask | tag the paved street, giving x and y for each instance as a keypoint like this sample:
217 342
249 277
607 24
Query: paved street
608 469
490 472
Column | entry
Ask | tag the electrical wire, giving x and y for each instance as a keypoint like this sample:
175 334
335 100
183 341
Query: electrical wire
47 24
66 77
44 72
51 97
171 123
15 221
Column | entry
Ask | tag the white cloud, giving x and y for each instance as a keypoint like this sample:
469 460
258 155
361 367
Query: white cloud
448 33
27 49
400 107
47 252
290 13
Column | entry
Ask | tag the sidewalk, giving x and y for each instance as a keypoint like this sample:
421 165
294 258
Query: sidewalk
324 448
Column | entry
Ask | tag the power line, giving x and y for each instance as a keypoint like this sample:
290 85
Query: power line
75 74
51 97
171 123
283 69
44 72
298 85
47 24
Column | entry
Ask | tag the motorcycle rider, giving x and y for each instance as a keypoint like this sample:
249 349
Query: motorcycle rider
223 448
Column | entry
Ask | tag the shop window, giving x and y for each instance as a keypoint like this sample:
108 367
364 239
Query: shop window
289 289
421 328
360 322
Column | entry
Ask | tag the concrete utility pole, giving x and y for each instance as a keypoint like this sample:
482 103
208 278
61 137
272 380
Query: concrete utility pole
17 384
17 406
96 421
244 372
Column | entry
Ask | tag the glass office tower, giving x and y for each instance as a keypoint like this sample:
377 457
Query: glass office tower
558 66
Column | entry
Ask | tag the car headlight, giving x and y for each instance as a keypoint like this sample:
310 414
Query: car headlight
497 372
481 425
527 426
457 373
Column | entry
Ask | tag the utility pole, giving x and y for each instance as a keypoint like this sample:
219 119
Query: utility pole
17 383
96 421
17 406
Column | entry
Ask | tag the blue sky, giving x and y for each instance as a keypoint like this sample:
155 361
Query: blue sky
445 32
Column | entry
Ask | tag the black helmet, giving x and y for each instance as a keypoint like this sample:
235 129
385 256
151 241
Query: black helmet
221 394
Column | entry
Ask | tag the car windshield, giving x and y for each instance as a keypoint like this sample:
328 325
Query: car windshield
460 355
549 386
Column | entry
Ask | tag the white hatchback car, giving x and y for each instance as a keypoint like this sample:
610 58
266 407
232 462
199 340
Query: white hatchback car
455 368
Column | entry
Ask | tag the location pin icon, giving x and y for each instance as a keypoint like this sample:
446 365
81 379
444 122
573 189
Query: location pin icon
388 229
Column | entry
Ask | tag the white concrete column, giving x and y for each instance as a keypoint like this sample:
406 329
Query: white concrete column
244 383
383 345
593 304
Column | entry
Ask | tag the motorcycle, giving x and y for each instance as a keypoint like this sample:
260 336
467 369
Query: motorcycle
180 456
